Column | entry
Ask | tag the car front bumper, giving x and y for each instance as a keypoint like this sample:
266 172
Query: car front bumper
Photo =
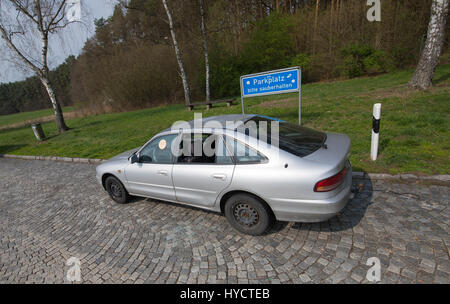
310 211
99 179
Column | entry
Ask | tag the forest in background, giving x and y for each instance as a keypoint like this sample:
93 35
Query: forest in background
30 94
130 63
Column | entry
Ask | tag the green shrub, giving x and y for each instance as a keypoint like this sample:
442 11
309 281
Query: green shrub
401 57
304 61
271 45
378 62
225 75
362 59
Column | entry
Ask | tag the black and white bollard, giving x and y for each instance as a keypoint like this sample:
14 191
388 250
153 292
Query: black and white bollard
375 131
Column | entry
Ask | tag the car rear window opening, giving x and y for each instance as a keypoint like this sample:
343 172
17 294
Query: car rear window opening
295 139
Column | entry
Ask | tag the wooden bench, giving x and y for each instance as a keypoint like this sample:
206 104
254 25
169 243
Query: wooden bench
209 104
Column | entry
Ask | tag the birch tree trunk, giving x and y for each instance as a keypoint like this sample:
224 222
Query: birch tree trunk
429 58
205 49
187 91
55 104
45 79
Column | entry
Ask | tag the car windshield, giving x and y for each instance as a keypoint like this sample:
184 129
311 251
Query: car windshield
295 139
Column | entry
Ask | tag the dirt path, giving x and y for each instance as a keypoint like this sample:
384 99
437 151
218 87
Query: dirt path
36 120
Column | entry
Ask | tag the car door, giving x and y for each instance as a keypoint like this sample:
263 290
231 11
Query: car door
152 175
199 178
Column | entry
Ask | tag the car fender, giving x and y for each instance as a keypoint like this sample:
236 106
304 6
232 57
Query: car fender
232 188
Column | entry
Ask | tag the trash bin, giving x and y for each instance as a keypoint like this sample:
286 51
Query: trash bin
38 131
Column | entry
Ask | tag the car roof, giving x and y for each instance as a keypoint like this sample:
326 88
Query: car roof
228 122
221 119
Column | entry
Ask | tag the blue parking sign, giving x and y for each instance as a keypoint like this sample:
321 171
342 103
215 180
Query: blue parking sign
273 82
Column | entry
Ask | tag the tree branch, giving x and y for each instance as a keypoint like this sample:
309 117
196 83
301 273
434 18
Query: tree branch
52 21
15 50
22 9
37 7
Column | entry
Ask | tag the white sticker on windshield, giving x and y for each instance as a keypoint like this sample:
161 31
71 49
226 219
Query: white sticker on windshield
162 144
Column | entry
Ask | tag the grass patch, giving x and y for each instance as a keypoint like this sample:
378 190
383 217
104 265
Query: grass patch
6 120
414 127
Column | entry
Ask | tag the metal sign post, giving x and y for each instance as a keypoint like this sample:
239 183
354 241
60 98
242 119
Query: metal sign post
273 82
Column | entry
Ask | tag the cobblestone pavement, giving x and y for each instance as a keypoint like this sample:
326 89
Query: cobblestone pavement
51 211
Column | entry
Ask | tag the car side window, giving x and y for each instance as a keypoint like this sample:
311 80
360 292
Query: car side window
203 148
158 151
242 153
223 156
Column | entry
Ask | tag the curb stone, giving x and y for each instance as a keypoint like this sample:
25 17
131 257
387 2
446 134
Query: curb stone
54 158
355 174
385 176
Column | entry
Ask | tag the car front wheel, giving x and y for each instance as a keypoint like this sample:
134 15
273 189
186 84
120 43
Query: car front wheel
116 190
248 214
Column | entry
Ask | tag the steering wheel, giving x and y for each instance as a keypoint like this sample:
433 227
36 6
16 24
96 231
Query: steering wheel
145 159
158 154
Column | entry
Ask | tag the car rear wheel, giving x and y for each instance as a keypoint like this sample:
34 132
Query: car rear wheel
248 214
116 190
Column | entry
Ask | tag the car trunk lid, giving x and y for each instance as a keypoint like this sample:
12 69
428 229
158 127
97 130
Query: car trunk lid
334 152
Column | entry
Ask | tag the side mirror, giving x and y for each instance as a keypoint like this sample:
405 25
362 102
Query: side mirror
134 158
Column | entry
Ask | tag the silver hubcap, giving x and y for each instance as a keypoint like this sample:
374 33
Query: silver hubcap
246 215
115 190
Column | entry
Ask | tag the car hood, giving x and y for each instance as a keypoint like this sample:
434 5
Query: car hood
124 155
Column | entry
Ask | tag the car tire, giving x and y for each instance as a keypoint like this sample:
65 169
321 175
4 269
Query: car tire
248 214
116 190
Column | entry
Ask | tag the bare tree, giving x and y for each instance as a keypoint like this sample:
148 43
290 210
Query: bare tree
205 49
331 26
429 58
187 91
43 17
316 16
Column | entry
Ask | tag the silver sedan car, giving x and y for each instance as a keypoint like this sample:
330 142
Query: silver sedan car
254 169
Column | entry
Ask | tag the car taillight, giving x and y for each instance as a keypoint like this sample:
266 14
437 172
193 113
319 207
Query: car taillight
330 183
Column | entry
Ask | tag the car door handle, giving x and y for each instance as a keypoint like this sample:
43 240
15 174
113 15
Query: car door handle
219 176
162 172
